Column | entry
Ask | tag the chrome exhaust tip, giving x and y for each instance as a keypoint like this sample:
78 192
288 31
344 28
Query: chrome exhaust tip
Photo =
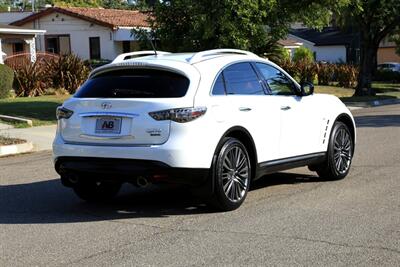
142 182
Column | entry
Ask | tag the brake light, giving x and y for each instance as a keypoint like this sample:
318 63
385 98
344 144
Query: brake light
63 113
179 114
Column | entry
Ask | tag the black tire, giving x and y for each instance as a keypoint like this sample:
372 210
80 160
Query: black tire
231 180
96 191
339 155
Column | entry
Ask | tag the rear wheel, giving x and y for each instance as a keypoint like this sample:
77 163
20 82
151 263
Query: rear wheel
94 191
232 175
340 154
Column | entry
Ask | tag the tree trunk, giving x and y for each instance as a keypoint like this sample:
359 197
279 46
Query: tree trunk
367 65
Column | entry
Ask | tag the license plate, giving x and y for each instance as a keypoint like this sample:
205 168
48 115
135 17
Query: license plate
108 125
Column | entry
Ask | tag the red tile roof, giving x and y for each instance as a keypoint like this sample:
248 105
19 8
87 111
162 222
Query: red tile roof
112 18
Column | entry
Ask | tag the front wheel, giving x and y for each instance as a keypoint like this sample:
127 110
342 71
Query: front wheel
95 191
339 155
232 175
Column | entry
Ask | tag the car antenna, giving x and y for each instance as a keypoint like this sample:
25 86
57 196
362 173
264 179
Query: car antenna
152 45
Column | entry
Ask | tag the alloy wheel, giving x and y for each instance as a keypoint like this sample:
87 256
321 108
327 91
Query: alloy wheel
342 151
235 174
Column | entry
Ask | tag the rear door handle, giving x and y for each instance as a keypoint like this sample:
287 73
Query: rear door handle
244 109
285 107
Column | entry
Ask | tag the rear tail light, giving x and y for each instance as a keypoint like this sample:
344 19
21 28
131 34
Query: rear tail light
63 113
179 114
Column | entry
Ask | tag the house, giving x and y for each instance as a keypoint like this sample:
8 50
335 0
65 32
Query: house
15 40
330 44
290 44
90 33
387 51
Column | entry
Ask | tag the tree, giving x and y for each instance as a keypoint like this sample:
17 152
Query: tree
77 3
375 19
396 39
190 25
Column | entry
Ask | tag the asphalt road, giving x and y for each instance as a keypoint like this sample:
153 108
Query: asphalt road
289 218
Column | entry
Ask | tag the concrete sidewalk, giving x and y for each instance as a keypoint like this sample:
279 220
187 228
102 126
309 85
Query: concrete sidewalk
41 137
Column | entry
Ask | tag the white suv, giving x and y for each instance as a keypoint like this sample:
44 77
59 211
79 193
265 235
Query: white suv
216 120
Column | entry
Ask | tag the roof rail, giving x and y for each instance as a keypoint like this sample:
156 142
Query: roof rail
197 57
123 57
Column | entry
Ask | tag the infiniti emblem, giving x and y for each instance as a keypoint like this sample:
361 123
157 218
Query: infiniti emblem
106 105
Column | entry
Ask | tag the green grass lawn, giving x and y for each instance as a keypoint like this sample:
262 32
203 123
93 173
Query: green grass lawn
41 110
383 91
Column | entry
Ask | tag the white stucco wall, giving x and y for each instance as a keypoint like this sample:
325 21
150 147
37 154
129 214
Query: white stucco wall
331 53
80 31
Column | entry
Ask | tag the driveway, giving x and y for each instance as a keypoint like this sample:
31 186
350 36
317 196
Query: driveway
290 218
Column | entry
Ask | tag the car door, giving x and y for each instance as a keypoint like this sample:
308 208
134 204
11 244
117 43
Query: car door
240 99
300 122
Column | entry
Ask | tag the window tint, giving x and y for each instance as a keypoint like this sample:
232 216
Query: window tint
135 83
240 79
219 86
276 80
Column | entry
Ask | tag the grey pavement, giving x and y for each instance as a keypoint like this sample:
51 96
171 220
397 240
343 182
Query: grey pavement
289 219
41 137
4 127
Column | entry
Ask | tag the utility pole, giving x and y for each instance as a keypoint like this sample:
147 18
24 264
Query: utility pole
33 5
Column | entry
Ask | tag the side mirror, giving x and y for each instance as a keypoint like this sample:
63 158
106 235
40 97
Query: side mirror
307 88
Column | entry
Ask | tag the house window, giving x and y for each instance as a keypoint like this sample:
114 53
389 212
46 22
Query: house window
94 46
18 48
58 44
126 46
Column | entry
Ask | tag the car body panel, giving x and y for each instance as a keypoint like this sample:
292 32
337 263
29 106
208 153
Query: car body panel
277 132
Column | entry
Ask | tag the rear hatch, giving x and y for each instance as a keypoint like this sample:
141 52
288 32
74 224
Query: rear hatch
112 108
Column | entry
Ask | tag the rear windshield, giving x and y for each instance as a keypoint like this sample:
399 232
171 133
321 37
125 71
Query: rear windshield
135 83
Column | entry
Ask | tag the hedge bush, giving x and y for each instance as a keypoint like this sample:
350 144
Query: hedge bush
67 72
31 80
6 80
64 73
343 75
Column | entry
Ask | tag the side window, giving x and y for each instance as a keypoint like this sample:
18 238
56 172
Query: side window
276 80
241 79
219 86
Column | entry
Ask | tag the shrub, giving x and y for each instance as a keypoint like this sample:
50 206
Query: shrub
277 54
302 71
303 54
306 71
30 80
6 80
346 75
290 67
95 63
325 73
68 72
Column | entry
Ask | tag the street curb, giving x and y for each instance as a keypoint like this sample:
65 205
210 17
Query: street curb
374 103
16 119
16 149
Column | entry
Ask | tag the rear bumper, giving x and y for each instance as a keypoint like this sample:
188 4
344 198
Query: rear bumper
127 170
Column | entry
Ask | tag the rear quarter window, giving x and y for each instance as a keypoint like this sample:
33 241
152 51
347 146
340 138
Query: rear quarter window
135 83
